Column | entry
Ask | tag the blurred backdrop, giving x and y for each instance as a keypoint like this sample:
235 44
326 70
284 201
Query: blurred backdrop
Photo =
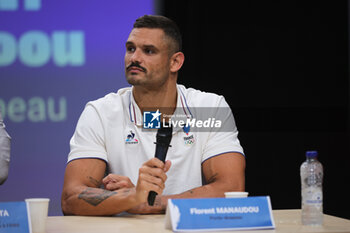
281 65
55 56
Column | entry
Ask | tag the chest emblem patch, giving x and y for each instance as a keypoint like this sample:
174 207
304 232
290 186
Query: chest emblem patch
131 139
189 140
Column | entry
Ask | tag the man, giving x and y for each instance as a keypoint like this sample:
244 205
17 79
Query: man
110 137
4 152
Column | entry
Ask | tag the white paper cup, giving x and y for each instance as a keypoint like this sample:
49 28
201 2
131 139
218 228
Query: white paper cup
38 210
236 194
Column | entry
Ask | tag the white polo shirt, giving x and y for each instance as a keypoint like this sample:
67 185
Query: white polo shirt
111 129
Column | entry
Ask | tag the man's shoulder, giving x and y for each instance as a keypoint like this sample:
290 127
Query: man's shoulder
198 98
112 101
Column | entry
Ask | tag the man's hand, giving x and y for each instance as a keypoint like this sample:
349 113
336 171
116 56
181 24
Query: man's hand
114 182
152 177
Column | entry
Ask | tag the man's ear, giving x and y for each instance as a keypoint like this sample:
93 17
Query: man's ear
176 61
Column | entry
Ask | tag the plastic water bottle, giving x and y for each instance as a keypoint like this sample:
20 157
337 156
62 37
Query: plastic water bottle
311 173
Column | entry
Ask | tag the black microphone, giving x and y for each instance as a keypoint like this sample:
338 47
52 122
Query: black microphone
164 135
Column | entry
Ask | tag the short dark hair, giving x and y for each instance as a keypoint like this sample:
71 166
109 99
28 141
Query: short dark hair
167 25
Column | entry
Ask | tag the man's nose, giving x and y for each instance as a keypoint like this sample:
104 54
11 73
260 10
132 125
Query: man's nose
136 56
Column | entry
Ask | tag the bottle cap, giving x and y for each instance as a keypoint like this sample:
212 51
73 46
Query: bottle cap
311 154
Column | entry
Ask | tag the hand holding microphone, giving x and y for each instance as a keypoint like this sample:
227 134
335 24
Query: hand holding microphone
163 137
152 173
152 177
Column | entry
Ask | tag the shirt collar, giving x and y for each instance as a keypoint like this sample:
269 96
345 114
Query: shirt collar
182 111
134 110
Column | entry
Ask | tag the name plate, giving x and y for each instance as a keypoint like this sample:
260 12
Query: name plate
14 217
219 214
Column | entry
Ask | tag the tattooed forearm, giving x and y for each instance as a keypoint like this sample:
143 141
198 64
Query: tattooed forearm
95 196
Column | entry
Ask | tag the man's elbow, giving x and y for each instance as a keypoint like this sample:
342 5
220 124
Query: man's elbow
66 206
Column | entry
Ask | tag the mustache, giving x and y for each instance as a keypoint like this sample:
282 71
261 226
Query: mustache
136 64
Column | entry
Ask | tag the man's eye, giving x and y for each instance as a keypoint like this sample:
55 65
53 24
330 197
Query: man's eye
130 49
149 51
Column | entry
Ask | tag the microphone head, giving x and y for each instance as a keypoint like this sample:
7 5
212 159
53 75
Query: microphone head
164 135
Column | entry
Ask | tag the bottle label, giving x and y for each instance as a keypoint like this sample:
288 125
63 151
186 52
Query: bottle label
313 196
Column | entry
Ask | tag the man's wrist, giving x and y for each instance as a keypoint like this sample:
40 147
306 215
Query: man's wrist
159 207
160 204
132 197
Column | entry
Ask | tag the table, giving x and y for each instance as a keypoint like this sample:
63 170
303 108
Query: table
285 220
